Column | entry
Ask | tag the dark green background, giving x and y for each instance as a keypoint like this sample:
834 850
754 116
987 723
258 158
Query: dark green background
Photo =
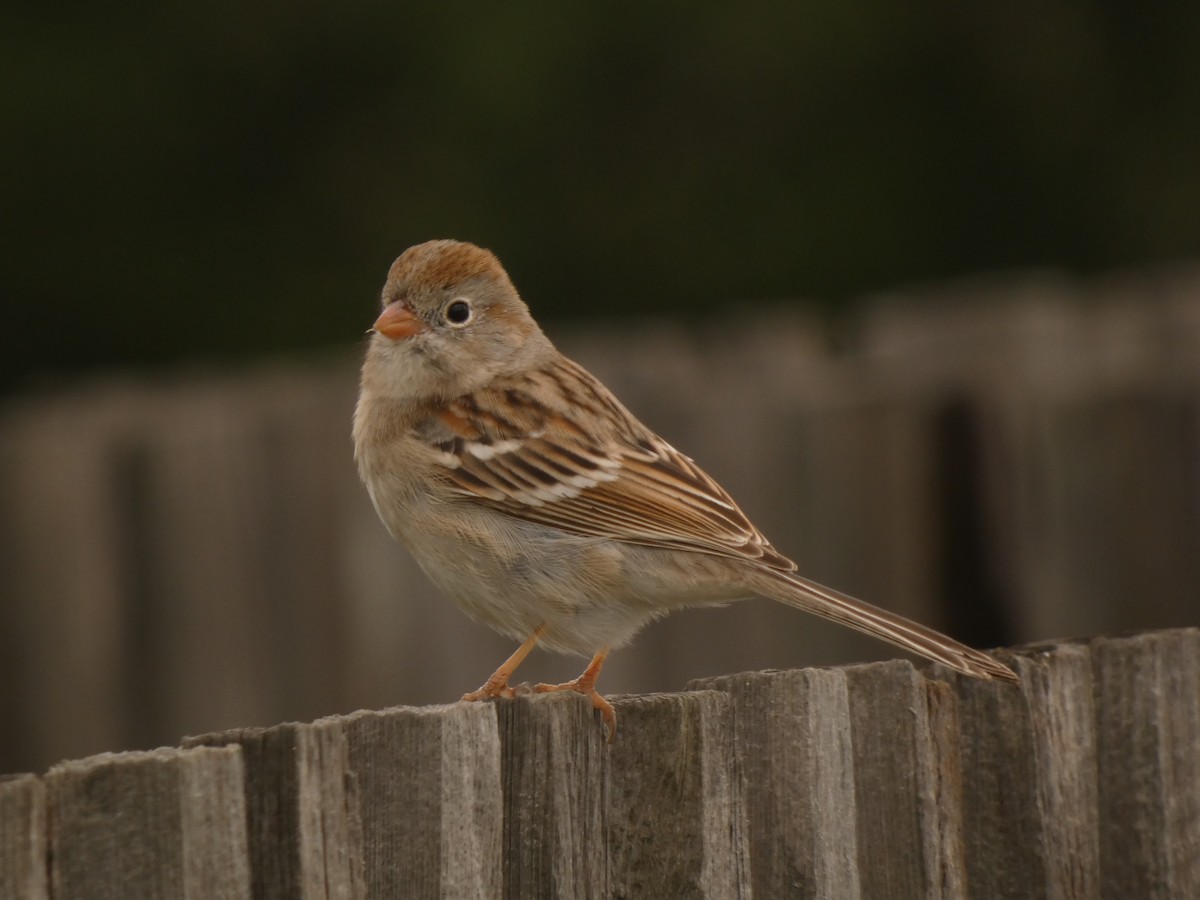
221 179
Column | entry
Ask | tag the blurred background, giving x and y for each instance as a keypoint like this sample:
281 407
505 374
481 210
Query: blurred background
918 283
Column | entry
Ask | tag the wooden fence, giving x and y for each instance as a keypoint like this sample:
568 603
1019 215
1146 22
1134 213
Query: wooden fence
1009 461
872 781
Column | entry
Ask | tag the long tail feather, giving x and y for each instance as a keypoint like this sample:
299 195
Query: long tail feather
806 595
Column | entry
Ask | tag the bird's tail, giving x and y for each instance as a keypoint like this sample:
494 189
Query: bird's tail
797 591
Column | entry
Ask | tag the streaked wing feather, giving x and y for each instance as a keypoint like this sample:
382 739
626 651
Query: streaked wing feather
522 448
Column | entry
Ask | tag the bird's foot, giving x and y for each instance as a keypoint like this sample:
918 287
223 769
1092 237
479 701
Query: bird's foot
586 687
491 689
497 686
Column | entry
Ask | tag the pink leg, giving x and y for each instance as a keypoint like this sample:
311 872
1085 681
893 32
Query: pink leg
497 685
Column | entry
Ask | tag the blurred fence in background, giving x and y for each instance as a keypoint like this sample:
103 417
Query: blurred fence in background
1009 460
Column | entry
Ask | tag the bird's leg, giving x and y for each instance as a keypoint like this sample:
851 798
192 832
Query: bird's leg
586 684
497 685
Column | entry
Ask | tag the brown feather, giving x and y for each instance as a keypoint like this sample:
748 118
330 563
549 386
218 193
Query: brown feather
534 460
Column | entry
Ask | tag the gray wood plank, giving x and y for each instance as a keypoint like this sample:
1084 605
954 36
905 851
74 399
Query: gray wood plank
794 755
676 820
1057 683
330 827
165 823
555 781
23 860
900 845
216 860
302 810
941 704
1181 758
1002 829
272 805
1148 735
432 807
1003 837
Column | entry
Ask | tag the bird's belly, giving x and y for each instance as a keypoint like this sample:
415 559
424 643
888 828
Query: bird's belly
589 593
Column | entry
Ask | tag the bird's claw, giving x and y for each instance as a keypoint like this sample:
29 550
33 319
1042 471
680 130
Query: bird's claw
580 686
491 690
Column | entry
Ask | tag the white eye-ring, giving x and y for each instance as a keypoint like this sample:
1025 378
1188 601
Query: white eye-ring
458 311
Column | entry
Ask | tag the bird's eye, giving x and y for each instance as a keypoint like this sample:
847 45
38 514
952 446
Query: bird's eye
458 312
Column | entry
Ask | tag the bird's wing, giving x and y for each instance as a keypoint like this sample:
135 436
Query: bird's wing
555 447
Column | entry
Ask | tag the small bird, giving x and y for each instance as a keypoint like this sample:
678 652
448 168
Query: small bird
537 502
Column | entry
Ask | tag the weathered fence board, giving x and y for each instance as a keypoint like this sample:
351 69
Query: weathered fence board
1148 720
900 842
554 777
163 823
677 817
873 781
431 802
794 756
1057 684
23 871
300 810
1003 837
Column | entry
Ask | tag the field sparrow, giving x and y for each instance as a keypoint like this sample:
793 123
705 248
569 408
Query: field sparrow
532 498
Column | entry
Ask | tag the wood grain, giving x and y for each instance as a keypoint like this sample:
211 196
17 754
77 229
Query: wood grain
872 781
23 870
157 824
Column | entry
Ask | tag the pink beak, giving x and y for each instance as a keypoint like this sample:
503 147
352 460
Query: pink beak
397 322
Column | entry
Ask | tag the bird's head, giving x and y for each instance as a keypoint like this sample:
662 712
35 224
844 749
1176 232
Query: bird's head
451 322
